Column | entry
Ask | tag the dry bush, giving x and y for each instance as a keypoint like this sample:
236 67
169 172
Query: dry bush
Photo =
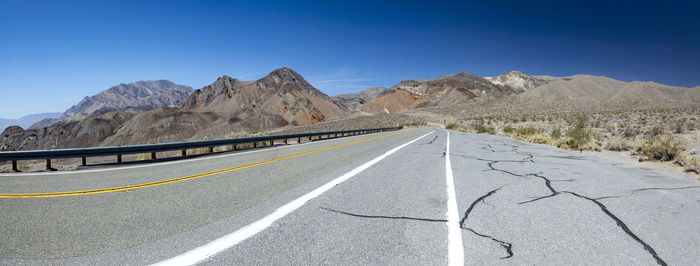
508 129
618 144
527 131
451 126
537 138
481 128
660 147
579 133
556 133
689 163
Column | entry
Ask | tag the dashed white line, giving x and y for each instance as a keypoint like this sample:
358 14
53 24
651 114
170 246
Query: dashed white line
210 249
455 248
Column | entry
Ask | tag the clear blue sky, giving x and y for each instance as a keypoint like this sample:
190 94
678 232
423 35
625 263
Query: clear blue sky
53 53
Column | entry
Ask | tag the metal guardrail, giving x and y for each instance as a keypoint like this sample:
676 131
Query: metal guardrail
83 153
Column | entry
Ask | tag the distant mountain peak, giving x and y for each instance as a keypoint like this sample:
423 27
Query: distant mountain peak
147 94
517 79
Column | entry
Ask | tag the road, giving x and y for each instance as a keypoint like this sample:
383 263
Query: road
387 198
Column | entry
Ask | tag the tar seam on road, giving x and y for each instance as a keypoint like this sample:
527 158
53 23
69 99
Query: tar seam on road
210 249
455 248
179 179
384 217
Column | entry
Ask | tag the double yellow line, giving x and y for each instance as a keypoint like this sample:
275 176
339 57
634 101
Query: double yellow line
180 179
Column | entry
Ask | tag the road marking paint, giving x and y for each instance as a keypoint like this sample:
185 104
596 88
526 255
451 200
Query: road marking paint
210 249
455 248
180 179
186 160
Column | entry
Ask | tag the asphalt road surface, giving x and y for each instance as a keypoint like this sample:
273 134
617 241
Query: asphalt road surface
412 197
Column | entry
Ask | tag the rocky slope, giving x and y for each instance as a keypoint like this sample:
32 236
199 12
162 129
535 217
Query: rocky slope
445 90
137 96
352 101
519 80
282 98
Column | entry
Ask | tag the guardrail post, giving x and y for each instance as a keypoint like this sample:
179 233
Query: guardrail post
119 158
211 149
14 166
48 164
285 141
255 144
84 161
153 155
299 140
233 147
272 143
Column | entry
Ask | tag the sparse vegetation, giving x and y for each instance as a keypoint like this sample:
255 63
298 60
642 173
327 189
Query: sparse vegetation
556 133
579 133
508 129
689 163
451 126
618 144
481 128
660 147
526 131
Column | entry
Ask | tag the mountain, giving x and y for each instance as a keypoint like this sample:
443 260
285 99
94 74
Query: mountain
27 120
282 98
227 106
139 96
352 101
519 80
445 90
604 91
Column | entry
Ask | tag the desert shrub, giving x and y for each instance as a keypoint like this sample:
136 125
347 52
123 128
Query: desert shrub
689 163
481 128
579 133
537 138
526 131
508 129
660 147
630 132
451 126
618 144
655 131
556 133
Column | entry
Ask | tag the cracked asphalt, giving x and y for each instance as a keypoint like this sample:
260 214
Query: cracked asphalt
519 203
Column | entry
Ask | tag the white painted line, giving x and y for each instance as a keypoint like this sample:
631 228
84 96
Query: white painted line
210 249
455 248
186 160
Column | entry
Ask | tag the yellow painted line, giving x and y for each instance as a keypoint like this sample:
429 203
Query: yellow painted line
184 178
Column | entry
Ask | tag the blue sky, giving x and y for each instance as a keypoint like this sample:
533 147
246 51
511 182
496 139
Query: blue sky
53 53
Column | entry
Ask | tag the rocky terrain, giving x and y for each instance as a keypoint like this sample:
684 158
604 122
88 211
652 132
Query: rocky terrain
618 115
282 98
136 97
442 91
352 101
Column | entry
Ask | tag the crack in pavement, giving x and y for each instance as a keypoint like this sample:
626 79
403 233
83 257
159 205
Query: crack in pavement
430 142
624 227
547 183
646 189
384 217
554 192
462 224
